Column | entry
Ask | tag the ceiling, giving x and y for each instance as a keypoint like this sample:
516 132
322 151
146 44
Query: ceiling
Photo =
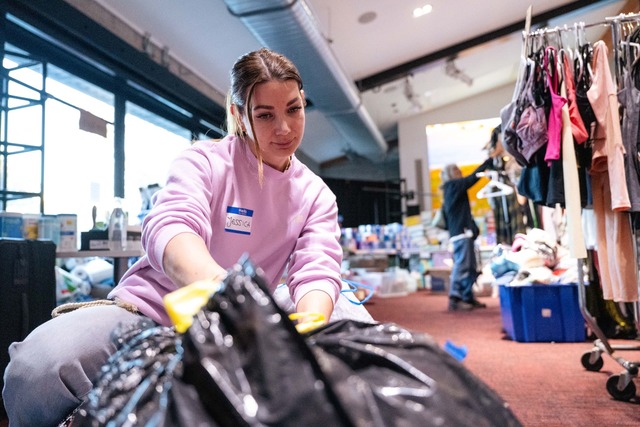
395 65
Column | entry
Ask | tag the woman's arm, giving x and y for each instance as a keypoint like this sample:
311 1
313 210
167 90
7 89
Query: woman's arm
472 178
186 260
316 301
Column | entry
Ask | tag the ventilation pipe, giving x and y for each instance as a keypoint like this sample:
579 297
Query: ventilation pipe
288 27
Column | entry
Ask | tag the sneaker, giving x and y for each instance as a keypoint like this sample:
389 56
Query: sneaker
474 303
459 305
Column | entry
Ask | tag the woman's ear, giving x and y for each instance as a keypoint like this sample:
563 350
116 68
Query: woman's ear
235 112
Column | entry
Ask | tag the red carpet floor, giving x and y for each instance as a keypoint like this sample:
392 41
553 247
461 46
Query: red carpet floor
545 384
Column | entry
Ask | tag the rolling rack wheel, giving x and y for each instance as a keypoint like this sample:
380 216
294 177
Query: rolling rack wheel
621 387
592 360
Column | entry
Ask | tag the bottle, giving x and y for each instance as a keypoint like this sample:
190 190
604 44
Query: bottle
117 227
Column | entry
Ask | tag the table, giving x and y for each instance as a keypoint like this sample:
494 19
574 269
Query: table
120 258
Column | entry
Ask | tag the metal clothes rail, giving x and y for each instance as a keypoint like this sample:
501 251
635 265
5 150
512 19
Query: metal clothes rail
620 386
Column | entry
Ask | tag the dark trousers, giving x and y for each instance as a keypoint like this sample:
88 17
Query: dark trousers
465 271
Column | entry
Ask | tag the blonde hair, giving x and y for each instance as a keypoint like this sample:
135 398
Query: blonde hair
260 66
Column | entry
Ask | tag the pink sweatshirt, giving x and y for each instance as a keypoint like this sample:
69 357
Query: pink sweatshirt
213 191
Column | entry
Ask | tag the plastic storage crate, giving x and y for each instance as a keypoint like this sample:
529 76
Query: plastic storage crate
542 313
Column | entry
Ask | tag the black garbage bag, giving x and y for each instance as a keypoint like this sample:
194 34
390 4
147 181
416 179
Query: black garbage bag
389 376
243 363
140 384
250 365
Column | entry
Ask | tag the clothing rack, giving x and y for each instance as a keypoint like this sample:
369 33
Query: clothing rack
578 27
620 386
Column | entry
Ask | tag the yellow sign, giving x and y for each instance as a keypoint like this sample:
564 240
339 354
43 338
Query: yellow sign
479 207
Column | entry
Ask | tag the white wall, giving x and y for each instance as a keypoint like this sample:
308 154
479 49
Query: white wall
412 135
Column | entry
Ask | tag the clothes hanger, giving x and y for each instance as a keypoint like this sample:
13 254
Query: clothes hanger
586 49
494 187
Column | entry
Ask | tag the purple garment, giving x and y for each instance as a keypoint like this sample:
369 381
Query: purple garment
290 222
532 126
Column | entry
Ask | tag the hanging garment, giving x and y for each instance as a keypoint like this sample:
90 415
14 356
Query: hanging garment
583 76
577 248
616 260
580 133
557 102
609 318
608 149
629 97
532 127
555 191
578 129
534 180
617 265
510 115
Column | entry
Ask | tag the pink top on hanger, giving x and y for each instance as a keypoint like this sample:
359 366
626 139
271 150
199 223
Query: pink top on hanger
554 122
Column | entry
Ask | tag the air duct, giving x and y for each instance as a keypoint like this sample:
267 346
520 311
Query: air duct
288 26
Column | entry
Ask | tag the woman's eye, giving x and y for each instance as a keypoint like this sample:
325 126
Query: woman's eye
295 109
264 116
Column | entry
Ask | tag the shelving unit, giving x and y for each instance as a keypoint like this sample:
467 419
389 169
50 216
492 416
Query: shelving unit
16 96
120 258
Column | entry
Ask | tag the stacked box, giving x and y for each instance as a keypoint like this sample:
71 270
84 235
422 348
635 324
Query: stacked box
440 278
11 224
542 313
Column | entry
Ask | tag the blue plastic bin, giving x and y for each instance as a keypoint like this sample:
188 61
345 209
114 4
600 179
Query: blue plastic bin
542 313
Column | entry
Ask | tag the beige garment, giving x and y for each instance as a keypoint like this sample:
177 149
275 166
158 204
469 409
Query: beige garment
616 253
577 248
608 150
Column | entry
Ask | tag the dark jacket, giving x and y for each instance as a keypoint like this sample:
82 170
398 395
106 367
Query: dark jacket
455 206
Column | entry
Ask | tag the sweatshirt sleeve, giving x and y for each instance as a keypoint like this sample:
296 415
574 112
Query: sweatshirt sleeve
183 205
317 257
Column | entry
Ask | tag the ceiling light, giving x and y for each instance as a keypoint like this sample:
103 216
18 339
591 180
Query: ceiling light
421 11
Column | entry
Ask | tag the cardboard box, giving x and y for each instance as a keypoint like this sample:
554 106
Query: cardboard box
542 313
440 279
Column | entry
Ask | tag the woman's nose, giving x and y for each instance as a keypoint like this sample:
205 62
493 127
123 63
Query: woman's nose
282 127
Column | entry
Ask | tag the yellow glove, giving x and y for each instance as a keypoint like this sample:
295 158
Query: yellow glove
183 303
308 321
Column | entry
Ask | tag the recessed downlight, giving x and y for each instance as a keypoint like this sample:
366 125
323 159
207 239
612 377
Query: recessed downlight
421 11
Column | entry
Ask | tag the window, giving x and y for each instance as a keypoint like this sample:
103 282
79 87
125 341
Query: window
62 144
152 143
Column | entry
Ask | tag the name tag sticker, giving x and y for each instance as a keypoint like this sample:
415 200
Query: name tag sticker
238 220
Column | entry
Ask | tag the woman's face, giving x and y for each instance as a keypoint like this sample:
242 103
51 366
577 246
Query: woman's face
277 112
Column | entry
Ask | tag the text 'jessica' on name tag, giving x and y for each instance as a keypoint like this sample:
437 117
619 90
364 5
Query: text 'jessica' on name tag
238 220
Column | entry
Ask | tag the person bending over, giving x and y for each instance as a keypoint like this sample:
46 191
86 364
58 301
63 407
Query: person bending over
246 193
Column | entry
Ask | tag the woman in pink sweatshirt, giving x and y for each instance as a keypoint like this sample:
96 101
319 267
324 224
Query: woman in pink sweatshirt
246 193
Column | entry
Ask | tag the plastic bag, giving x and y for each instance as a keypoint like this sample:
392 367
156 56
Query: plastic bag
389 376
242 362
249 363
141 384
